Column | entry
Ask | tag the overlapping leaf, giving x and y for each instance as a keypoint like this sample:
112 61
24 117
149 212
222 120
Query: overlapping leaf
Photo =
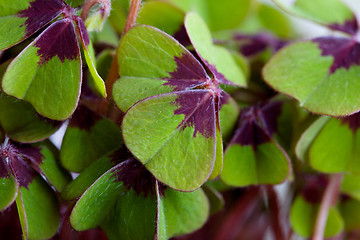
253 156
126 201
48 72
20 19
20 121
333 145
88 137
321 73
304 209
331 13
36 201
176 125
303 216
227 15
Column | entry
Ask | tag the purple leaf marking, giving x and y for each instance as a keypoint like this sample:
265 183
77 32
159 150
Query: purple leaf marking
22 160
135 176
314 188
346 52
250 45
257 124
58 40
218 77
188 74
349 26
250 133
84 118
40 13
198 106
353 121
269 116
82 30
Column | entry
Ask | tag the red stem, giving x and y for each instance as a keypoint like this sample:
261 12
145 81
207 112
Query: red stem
329 199
133 13
274 210
114 70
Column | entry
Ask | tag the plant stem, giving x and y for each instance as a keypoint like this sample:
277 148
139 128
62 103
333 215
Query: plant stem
114 70
133 13
90 3
274 210
328 200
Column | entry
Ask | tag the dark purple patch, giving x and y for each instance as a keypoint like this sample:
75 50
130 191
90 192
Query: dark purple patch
22 160
218 77
135 176
250 134
188 74
257 124
84 118
182 37
353 121
58 40
269 116
346 52
82 30
250 45
198 106
314 188
40 13
349 26
120 155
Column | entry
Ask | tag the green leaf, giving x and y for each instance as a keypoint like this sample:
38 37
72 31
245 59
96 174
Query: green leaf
350 210
133 218
8 191
218 165
17 23
87 138
183 212
38 210
308 137
226 14
244 165
21 123
98 82
218 59
170 146
303 217
146 74
118 14
351 185
301 71
97 201
331 13
335 149
50 167
274 20
216 200
28 75
228 116
161 15
79 185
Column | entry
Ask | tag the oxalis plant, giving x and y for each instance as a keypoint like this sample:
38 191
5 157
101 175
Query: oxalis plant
179 119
